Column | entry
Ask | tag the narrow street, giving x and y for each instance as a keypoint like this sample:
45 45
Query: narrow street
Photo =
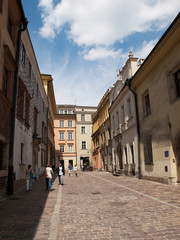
95 205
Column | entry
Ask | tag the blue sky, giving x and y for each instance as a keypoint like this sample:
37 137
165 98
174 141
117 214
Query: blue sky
81 43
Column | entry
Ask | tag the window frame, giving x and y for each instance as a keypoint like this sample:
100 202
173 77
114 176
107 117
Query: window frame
70 125
61 135
61 123
61 150
83 129
146 104
84 145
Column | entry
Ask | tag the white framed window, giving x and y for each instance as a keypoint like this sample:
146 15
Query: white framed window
83 129
69 123
82 117
84 145
70 136
61 135
61 123
61 148
70 148
69 111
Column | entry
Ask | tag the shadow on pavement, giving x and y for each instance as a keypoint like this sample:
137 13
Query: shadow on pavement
21 213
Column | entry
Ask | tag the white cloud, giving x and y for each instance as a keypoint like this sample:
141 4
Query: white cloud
101 22
100 53
145 48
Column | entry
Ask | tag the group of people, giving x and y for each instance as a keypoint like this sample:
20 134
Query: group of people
48 173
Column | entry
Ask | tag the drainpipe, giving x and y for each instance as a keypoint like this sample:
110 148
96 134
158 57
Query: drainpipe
128 83
10 188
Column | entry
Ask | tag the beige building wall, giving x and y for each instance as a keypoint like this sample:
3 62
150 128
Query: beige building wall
84 131
159 104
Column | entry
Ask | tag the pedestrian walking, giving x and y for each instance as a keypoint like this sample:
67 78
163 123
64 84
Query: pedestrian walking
48 175
60 174
70 170
29 176
75 170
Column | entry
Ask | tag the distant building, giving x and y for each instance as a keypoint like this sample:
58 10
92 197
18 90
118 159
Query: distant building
84 116
73 129
65 135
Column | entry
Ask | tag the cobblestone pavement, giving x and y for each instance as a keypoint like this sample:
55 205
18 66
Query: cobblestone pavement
94 205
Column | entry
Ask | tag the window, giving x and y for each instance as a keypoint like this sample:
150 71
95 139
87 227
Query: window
69 123
82 117
1 155
83 144
23 57
22 150
61 123
129 108
148 155
61 148
177 82
122 115
61 111
5 82
146 104
10 28
69 135
69 112
1 5
29 70
61 136
117 119
35 119
70 148
83 130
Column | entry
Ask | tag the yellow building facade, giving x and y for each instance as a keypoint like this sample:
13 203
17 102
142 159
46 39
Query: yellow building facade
101 148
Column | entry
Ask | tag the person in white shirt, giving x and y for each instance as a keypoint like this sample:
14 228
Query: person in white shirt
75 170
60 174
48 175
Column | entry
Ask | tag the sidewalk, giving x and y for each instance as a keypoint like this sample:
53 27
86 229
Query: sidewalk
28 215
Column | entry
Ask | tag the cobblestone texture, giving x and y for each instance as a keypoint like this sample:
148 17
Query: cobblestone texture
95 205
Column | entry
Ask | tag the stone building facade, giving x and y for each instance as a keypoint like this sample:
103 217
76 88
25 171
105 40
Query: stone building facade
12 23
31 115
123 121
